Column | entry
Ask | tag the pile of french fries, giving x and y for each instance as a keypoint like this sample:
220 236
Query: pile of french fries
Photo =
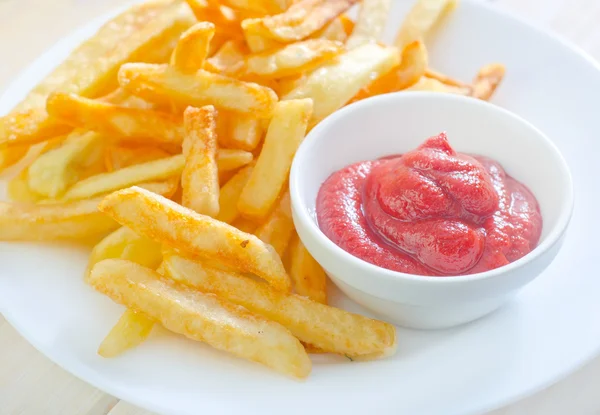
169 137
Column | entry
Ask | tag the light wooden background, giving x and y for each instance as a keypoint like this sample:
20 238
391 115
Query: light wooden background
32 385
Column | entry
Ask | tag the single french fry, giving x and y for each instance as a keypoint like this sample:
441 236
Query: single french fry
53 172
421 19
143 33
163 85
371 22
333 85
293 59
192 49
201 317
230 159
165 188
487 80
308 278
128 176
339 30
120 155
433 85
445 79
254 36
122 123
48 222
195 235
228 60
230 194
302 19
279 226
239 131
124 99
130 331
412 66
286 132
200 177
327 328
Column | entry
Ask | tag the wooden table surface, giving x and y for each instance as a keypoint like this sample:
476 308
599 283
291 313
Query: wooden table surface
30 384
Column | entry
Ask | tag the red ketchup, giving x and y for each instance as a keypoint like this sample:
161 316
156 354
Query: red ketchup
431 211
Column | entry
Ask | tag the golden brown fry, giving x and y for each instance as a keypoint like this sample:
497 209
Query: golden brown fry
143 33
165 188
229 59
11 155
327 328
54 171
200 177
487 80
127 124
259 6
410 70
230 194
371 22
195 235
161 169
253 34
48 222
192 49
279 226
239 131
308 277
433 85
445 79
130 331
163 85
229 159
201 317
333 85
303 19
339 29
421 19
293 59
18 189
120 155
286 132
224 18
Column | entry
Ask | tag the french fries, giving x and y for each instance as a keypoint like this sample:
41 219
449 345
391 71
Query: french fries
195 235
121 155
302 19
201 317
229 159
253 34
259 6
423 16
308 278
117 122
50 222
286 132
18 189
333 85
130 331
164 85
11 155
487 80
200 178
339 30
128 176
445 79
433 85
371 22
193 47
279 226
294 58
229 59
240 131
411 69
330 329
230 194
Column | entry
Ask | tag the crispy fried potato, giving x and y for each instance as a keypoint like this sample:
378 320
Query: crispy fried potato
253 34
259 6
165 188
286 132
126 124
327 328
333 85
229 159
130 331
192 49
445 79
412 66
239 131
224 18
371 22
431 84
302 19
161 169
18 189
293 59
163 85
339 29
48 222
229 59
11 155
201 317
195 235
124 99
53 172
279 226
143 33
308 278
200 178
487 80
230 194
421 19
120 155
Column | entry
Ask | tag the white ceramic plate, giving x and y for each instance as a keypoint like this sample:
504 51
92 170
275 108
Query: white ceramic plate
547 332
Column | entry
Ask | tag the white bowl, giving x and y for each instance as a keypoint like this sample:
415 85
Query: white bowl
396 123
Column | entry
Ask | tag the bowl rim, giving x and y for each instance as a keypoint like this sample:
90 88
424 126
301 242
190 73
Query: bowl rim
302 212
